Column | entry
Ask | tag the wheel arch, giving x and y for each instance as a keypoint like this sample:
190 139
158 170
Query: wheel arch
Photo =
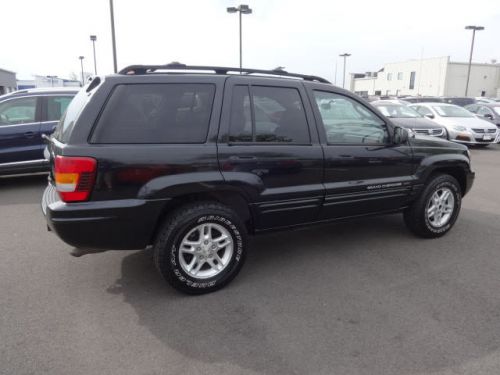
231 198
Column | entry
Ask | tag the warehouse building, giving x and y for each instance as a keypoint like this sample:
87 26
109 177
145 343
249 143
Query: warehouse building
436 76
7 81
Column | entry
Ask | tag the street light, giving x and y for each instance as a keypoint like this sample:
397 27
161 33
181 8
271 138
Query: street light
93 38
113 34
473 28
345 56
242 9
81 63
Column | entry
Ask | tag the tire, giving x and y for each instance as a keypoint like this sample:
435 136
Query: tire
426 225
193 263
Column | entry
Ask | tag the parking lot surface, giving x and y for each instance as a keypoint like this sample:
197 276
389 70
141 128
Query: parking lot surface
363 297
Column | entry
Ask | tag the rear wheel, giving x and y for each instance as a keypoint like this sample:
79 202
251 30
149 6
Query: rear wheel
201 247
434 213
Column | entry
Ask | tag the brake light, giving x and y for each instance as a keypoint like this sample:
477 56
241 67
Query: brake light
74 177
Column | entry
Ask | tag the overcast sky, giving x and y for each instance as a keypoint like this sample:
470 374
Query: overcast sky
47 36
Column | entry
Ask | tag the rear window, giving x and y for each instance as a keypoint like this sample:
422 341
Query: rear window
156 113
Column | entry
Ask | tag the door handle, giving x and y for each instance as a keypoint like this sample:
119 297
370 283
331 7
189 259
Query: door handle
29 134
243 157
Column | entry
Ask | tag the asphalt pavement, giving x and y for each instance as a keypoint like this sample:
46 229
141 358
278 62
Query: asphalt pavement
364 297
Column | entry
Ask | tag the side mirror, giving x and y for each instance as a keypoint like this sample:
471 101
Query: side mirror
429 115
400 135
489 116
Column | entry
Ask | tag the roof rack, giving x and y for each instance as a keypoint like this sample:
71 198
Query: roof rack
145 69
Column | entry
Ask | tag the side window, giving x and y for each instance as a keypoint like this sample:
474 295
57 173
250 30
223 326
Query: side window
483 111
241 118
278 116
18 111
56 106
348 122
156 113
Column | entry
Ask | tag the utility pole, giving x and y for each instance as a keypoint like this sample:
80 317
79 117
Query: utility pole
93 38
345 56
473 28
113 38
242 9
81 63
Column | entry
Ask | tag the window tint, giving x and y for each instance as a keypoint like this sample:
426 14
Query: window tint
156 113
241 118
348 122
18 111
278 116
56 106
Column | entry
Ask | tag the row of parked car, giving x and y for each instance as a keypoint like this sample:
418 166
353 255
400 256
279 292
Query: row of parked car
475 124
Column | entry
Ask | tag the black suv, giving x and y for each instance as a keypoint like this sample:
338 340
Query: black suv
192 159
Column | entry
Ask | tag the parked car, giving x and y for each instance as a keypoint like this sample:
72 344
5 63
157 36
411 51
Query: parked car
25 116
487 111
457 100
408 118
193 162
462 125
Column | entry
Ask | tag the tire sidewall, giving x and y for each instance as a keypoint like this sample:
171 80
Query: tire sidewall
455 189
186 281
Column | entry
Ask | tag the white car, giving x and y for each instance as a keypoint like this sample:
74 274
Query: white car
462 125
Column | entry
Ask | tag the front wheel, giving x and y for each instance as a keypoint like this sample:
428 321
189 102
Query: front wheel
434 213
201 247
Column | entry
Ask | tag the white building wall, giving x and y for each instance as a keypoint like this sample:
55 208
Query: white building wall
433 77
483 77
430 77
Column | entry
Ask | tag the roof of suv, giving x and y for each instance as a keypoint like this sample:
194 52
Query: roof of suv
176 68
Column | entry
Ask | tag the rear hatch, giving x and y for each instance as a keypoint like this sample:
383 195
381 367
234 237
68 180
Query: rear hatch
69 173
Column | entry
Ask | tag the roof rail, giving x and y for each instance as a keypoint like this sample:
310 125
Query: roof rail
145 69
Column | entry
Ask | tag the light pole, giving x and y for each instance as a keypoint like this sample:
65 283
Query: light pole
113 39
93 38
345 56
242 9
81 63
473 28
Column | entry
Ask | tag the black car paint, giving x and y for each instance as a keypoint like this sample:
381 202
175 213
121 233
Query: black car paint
272 186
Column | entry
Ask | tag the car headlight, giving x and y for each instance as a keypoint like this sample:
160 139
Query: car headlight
459 128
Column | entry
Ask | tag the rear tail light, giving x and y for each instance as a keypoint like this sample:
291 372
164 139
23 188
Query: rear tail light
74 177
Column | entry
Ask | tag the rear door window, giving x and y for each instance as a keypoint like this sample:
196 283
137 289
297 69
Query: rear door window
156 113
56 106
273 115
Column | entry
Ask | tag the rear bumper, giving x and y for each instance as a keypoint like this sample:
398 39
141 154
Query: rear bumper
111 225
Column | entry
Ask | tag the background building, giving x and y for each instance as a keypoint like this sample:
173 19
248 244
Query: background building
7 81
46 81
436 76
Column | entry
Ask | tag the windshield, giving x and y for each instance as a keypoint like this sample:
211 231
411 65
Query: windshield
451 111
398 111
